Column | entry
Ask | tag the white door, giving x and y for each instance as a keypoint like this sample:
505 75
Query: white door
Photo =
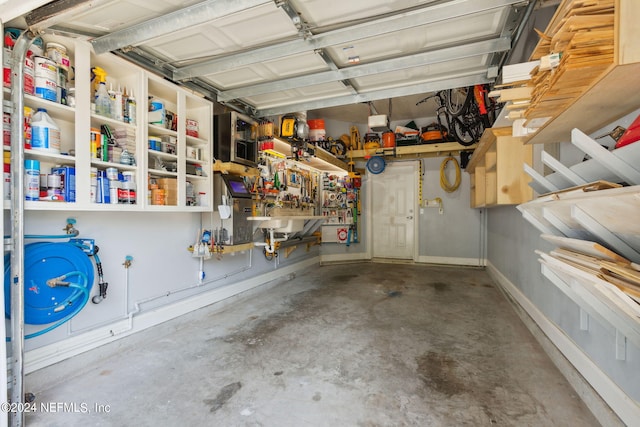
394 202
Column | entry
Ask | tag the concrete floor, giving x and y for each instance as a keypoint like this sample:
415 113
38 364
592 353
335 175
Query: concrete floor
340 345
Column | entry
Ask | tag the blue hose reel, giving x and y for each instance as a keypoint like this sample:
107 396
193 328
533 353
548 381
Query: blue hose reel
57 281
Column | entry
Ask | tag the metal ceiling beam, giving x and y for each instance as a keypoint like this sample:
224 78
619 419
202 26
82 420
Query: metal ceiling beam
416 60
478 76
57 11
190 16
427 15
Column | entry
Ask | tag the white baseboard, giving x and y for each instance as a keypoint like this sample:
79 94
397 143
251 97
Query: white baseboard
624 407
72 346
451 261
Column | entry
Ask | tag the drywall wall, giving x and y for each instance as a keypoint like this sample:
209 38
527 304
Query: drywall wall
510 249
457 233
455 237
162 272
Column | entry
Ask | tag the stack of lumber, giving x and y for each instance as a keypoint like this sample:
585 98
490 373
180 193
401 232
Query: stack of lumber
582 32
595 264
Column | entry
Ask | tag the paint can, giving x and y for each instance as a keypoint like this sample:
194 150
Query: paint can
46 78
31 180
54 185
112 174
58 53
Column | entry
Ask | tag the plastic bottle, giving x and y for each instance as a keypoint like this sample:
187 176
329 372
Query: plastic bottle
32 180
112 101
45 134
103 102
131 109
117 110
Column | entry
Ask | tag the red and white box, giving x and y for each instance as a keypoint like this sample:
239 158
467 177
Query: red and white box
192 128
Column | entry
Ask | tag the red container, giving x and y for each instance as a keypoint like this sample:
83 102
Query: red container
388 140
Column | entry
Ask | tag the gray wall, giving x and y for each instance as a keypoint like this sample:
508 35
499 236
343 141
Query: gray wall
454 237
163 271
511 245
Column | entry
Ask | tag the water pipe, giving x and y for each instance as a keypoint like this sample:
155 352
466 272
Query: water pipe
18 56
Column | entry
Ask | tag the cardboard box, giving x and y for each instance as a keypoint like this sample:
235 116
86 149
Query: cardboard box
68 181
167 183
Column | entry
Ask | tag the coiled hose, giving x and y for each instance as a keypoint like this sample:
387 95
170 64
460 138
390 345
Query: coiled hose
444 182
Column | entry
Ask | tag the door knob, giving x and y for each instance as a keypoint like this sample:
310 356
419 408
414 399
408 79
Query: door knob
409 217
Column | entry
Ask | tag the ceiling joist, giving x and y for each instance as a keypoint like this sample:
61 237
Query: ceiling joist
400 21
190 16
416 60
468 78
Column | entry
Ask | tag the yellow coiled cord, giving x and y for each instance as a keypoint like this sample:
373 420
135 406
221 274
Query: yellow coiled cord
444 182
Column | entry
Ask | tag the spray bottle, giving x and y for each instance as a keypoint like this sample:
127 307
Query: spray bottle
98 75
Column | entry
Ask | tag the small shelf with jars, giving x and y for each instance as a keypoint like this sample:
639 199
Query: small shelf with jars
341 206
104 154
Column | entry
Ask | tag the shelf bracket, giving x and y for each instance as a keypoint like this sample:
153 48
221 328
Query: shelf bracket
596 306
604 234
567 173
539 179
288 250
562 226
601 155
584 320
542 227
621 346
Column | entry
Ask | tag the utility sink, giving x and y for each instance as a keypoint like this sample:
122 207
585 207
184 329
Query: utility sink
282 224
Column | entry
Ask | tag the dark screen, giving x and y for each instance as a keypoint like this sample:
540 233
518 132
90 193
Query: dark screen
238 187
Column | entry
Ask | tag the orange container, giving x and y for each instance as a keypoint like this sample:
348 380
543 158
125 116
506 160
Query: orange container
388 140
315 124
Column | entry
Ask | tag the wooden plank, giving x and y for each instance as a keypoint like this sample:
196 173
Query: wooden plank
489 137
623 271
514 94
585 247
235 169
592 186
605 100
440 149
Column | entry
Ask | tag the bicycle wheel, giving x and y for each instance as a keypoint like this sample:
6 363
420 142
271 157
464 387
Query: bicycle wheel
457 100
465 135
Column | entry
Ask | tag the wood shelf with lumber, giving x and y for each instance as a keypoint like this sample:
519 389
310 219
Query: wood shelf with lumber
596 257
599 67
414 151
496 171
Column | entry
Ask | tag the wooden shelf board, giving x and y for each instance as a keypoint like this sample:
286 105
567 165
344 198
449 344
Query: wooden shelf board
235 168
487 140
422 150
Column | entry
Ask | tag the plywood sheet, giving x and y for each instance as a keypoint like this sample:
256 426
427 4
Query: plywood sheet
585 247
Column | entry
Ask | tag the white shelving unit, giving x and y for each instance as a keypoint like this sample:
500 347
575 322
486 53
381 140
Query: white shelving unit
577 209
620 165
76 124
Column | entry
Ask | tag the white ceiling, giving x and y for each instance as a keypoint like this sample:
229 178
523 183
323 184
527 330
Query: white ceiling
271 57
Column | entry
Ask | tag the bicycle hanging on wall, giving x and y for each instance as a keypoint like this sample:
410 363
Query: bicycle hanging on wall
462 114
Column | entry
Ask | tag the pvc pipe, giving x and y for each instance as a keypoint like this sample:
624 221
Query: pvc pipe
18 56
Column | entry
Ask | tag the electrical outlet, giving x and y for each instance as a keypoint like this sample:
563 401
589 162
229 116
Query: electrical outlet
421 211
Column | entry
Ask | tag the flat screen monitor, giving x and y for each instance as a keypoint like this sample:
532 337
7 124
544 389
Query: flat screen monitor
236 186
